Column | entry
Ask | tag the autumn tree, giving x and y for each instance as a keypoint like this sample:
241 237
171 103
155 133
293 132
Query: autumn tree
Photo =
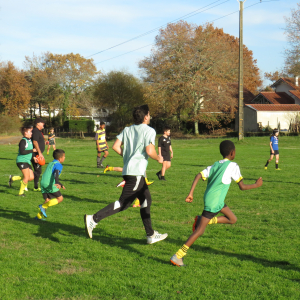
120 92
190 71
75 74
14 90
292 30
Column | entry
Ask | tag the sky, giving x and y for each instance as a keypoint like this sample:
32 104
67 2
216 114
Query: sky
88 27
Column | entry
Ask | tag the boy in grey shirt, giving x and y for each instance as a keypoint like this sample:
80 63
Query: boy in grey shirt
138 143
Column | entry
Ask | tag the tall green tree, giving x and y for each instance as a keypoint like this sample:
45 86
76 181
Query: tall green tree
120 92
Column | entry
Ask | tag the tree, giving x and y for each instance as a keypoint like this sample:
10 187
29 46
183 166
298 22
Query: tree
14 90
190 70
292 30
121 92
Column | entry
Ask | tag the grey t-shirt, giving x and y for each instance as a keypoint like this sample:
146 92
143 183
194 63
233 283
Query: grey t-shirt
135 139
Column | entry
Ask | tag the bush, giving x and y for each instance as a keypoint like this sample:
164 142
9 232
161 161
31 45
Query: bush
9 125
79 125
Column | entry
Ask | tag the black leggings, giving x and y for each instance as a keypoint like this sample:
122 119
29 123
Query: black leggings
135 187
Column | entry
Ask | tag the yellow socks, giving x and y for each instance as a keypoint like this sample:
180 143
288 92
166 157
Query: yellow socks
39 215
14 178
136 203
214 220
182 251
52 202
148 182
22 187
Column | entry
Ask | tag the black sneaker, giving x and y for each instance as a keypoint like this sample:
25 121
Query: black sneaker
163 178
159 175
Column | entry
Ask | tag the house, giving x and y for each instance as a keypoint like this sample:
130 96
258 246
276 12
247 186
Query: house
276 109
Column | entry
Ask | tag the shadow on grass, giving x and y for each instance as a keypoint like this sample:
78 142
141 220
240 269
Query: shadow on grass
79 199
46 229
285 265
272 181
4 158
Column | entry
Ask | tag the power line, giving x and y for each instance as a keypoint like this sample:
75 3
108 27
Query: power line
191 14
182 32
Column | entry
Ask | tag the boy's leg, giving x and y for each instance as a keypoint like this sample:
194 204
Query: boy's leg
268 161
103 157
277 161
98 159
176 259
228 218
24 182
54 148
37 173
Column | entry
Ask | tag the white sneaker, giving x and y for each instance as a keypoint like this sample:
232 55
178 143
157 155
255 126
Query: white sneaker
90 224
156 237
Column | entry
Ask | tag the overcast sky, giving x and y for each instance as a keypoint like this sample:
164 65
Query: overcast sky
91 26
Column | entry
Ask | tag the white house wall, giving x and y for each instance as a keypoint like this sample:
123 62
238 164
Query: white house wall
273 118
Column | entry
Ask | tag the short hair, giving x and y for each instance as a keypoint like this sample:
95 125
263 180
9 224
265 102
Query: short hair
51 128
102 123
226 147
58 153
25 129
275 130
166 128
139 113
39 120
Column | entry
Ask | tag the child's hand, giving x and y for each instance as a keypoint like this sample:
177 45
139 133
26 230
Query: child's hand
160 159
59 186
259 182
189 199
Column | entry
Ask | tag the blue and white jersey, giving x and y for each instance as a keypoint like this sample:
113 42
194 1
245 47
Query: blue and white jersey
274 141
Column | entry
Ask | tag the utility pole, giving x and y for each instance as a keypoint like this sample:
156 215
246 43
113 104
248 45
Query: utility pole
241 75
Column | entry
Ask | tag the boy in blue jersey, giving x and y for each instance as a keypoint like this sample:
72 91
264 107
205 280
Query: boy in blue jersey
50 184
274 150
135 144
219 177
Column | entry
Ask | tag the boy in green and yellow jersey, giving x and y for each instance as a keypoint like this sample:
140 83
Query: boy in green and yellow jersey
219 177
50 184
23 160
101 145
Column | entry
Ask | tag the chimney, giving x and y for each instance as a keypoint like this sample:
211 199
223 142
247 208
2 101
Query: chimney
296 80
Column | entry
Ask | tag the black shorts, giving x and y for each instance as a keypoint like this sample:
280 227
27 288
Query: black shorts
210 215
276 152
166 156
51 142
51 195
23 166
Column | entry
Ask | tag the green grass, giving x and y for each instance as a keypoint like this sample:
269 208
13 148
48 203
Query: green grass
256 258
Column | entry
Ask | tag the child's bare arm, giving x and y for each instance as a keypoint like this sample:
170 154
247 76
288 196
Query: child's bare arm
159 150
189 198
272 151
245 187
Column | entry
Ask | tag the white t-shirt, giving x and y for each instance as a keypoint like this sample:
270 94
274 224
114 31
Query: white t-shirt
135 139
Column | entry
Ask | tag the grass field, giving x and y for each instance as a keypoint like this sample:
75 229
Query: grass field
256 258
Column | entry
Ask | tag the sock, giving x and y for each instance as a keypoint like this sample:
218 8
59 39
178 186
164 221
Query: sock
182 251
98 161
22 187
39 215
136 202
102 159
214 220
52 202
14 178
267 163
47 152
276 166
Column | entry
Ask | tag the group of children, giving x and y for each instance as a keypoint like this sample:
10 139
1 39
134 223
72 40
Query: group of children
136 144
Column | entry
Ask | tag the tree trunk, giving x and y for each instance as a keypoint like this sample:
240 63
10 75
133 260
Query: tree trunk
196 127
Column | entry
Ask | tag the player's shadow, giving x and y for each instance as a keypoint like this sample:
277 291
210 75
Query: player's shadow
272 181
5 158
285 265
74 181
200 166
47 229
80 199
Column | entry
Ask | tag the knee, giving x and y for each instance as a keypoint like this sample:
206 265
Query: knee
233 219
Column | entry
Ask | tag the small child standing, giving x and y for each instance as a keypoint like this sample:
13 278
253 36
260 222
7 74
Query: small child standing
23 160
50 184
274 150
51 140
101 145
164 149
219 177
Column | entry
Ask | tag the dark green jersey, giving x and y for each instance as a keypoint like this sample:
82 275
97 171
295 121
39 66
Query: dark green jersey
25 151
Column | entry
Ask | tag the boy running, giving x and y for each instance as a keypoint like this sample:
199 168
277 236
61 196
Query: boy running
51 140
50 184
138 144
219 177
274 150
23 160
101 144
164 149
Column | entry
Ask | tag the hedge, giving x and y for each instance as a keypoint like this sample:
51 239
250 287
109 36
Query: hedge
79 126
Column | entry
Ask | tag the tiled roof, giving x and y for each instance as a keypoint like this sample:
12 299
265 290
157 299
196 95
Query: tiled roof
295 93
247 95
278 98
290 81
274 107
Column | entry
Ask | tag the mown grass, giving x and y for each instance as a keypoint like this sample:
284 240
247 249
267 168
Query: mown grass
257 258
